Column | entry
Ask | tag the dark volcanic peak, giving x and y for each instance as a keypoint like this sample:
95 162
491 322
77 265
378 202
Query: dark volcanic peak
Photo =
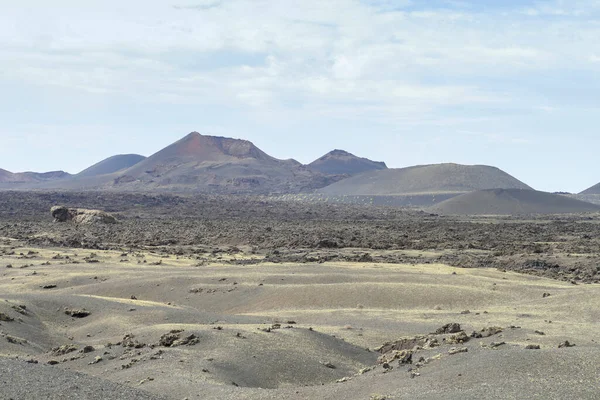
340 162
338 153
593 190
425 179
217 164
512 202
211 148
112 164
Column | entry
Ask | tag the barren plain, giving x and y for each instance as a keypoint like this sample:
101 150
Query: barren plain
250 297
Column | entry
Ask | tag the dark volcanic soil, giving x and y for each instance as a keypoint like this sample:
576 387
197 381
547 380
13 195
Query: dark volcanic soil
561 247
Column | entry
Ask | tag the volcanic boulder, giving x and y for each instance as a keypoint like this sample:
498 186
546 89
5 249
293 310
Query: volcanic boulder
81 216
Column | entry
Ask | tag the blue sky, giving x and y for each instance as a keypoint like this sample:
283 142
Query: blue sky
509 83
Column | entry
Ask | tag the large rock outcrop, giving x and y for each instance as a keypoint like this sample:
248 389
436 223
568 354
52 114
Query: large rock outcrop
81 216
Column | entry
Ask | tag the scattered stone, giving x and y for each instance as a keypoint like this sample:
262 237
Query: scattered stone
495 345
403 357
188 341
540 333
409 344
88 349
77 313
14 340
146 380
546 295
487 332
5 318
378 397
62 350
532 347
52 362
465 312
452 327
20 309
129 364
48 286
565 344
328 365
130 342
459 338
96 360
168 339
458 350
173 339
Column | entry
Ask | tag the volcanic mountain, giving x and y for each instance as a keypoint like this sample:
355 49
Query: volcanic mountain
217 164
593 190
340 162
512 202
447 179
112 164
31 177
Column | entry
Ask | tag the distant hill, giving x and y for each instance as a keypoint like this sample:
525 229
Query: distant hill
111 165
424 179
593 190
6 176
512 202
340 162
31 177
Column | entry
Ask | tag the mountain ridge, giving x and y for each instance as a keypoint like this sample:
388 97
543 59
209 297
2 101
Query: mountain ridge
341 162
111 165
425 179
512 202
31 177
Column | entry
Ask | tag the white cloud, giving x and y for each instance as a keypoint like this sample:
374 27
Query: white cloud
319 48
407 66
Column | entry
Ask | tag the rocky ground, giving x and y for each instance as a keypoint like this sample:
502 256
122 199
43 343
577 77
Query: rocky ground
228 298
260 229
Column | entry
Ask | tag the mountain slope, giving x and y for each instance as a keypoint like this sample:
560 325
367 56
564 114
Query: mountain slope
111 165
340 162
512 202
593 190
425 179
31 177
6 176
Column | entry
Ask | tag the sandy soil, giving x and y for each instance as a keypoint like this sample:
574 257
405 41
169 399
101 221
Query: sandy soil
167 326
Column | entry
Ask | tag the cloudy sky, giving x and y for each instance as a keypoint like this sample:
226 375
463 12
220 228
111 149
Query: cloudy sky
510 83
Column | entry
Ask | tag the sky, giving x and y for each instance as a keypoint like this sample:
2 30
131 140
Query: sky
509 83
